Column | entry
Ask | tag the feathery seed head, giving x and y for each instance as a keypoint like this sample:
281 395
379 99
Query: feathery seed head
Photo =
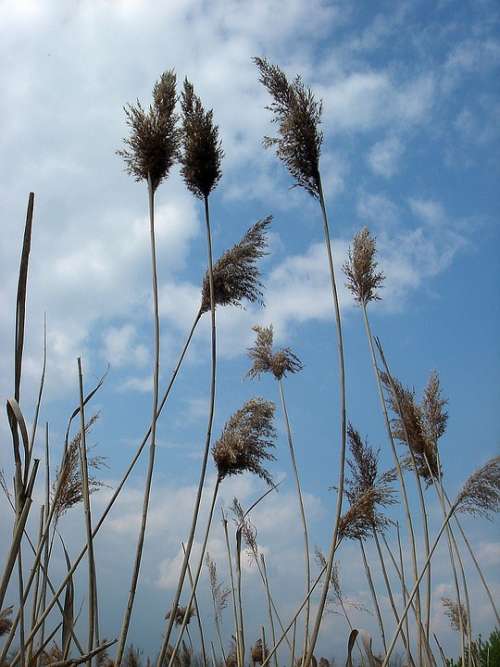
245 441
434 413
5 621
265 361
202 152
236 275
481 492
259 652
180 613
363 280
153 144
456 614
298 116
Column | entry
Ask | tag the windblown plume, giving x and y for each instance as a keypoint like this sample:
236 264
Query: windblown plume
434 414
480 494
298 116
220 594
70 477
363 279
266 361
245 441
152 147
248 530
456 614
236 275
5 621
202 153
180 613
259 652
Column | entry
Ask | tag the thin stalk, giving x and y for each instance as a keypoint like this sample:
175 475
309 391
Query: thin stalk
343 426
113 498
43 598
161 656
373 594
269 608
263 640
20 578
404 494
197 574
403 581
233 591
292 661
238 589
213 654
92 585
404 637
198 617
417 583
302 512
152 447
36 593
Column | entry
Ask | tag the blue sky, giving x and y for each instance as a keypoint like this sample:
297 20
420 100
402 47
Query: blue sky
411 140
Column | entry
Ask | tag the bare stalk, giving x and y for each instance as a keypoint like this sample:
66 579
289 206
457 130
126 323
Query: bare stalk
302 512
404 494
233 592
152 447
269 608
373 594
161 656
198 617
343 426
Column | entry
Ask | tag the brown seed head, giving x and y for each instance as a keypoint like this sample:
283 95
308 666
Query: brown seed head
259 653
152 147
5 622
202 153
245 440
481 492
456 613
434 414
236 275
363 279
298 116
220 594
265 361
179 615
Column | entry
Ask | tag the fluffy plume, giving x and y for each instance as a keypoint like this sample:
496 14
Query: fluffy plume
412 427
180 613
481 492
202 153
236 275
245 440
259 652
152 147
434 414
265 361
363 279
70 474
298 116
5 621
365 489
220 594
456 613
248 530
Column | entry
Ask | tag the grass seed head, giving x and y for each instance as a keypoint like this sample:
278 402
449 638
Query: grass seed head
266 361
297 114
480 494
236 274
202 153
456 614
153 144
245 441
5 621
363 279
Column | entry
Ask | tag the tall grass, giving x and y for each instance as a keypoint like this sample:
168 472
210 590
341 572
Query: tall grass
367 506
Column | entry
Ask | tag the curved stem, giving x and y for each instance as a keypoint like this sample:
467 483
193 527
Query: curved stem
161 656
343 425
152 446
404 494
233 592
198 617
269 607
373 594
302 512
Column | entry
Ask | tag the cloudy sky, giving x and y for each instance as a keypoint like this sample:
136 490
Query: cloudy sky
411 125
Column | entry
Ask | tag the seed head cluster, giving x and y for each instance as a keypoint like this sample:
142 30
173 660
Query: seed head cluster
236 274
456 614
153 144
480 495
201 154
266 361
5 621
298 116
245 441
363 279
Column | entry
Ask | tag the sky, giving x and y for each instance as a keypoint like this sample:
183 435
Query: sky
411 128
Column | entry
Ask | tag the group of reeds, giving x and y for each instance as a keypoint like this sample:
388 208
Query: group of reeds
38 615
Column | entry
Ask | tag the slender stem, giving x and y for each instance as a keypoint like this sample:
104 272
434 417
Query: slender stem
198 617
112 500
417 583
233 591
373 594
197 574
189 546
302 512
152 447
269 608
404 494
46 554
238 589
343 425
292 660
36 593
20 578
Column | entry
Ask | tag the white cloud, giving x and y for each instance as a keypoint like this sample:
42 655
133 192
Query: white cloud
384 156
121 347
